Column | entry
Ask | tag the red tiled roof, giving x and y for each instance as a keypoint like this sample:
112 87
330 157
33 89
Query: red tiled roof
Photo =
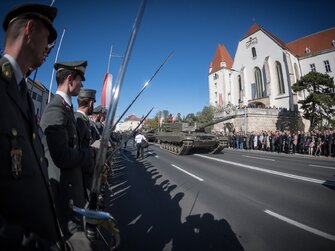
221 54
132 118
316 42
255 27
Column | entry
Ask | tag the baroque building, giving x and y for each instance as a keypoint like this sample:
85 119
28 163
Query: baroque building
256 85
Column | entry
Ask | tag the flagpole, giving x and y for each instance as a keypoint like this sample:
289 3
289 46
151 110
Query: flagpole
53 70
101 154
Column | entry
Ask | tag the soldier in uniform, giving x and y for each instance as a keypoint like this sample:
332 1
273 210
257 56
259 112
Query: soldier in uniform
86 99
97 119
67 161
28 217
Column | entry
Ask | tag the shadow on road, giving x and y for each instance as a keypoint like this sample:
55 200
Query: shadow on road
150 218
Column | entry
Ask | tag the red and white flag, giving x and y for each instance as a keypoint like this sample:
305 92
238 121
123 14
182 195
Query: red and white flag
106 93
171 118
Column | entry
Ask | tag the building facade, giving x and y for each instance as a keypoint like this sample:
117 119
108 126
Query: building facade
262 74
39 94
129 124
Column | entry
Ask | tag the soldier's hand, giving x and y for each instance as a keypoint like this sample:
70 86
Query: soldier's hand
96 144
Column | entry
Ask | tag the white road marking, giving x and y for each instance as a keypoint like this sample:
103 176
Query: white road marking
194 176
300 225
322 166
293 176
252 157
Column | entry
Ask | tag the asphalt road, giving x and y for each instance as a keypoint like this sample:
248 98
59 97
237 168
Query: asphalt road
235 200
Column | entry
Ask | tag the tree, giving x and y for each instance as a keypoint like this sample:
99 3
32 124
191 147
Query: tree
190 118
151 124
164 115
320 103
207 114
178 118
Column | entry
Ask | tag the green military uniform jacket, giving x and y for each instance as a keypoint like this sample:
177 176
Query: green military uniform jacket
66 160
85 140
25 200
84 129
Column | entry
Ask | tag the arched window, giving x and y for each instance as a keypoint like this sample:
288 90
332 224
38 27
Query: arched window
267 70
281 87
240 88
259 83
253 51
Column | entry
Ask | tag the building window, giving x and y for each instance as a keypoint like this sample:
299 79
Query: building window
216 85
39 98
312 67
240 88
327 66
253 51
215 94
259 83
280 78
34 95
216 76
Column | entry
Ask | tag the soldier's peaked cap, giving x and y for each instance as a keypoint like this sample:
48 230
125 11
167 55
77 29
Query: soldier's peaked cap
99 109
42 12
87 93
79 66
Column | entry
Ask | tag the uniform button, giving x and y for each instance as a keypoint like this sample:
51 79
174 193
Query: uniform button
14 132
34 136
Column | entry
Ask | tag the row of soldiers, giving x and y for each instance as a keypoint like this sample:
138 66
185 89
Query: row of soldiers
41 178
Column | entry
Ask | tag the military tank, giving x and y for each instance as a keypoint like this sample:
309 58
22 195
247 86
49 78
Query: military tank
182 138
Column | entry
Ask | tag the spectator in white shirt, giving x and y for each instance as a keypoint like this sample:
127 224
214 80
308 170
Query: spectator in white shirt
140 140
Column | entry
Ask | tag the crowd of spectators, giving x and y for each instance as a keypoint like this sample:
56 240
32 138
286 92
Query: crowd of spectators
314 143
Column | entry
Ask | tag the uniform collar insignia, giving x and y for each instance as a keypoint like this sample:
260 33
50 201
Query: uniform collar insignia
7 71
66 105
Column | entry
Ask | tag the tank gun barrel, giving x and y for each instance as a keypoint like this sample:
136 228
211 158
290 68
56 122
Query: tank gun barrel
213 122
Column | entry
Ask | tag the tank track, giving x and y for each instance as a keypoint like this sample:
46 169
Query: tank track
219 148
184 149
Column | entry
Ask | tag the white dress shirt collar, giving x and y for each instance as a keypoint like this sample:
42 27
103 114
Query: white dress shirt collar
66 97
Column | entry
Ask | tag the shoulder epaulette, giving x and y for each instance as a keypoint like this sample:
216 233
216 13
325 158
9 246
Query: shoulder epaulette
6 70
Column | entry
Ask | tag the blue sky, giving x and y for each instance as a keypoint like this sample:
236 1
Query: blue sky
193 29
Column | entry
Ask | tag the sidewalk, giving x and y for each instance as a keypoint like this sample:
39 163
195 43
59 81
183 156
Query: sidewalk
290 155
